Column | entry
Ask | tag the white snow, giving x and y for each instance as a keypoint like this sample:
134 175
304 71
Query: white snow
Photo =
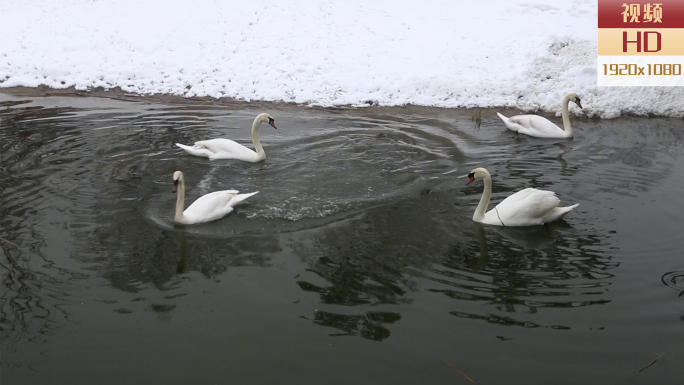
445 53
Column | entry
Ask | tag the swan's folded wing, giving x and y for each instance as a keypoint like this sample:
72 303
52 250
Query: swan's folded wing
217 145
227 149
526 207
523 120
535 125
534 122
196 151
224 145
512 200
211 206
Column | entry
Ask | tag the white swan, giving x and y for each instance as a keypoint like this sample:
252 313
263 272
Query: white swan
535 125
228 149
528 207
206 208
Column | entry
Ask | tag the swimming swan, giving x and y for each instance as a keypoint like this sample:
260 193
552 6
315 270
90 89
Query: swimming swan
228 149
206 208
535 125
528 207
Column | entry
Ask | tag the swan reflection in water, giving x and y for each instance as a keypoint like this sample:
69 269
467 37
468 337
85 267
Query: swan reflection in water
182 267
531 237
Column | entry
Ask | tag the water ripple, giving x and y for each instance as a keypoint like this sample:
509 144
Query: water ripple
674 279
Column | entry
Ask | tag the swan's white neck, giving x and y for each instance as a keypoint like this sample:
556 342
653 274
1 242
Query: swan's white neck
567 128
180 201
255 138
484 201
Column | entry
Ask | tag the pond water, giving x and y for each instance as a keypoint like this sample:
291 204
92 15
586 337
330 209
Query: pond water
357 262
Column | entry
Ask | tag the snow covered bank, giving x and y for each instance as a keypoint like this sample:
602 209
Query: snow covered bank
445 53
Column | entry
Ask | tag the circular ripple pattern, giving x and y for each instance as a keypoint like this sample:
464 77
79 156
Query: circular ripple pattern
314 176
674 279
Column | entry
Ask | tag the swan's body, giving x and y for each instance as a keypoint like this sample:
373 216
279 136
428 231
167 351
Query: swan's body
535 125
206 208
228 149
528 207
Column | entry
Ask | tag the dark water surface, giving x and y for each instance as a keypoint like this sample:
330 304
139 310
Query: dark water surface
357 262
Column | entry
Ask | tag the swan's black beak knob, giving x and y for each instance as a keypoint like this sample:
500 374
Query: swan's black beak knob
471 177
175 185
271 121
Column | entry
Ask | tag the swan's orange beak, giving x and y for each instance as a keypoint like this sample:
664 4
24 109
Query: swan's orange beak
272 123
175 185
471 177
578 103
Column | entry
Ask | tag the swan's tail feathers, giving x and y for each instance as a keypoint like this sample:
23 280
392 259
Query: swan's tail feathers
510 125
236 200
195 150
567 209
557 213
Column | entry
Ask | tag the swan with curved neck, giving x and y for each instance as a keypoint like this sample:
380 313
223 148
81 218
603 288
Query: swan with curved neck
229 149
537 126
206 208
528 207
